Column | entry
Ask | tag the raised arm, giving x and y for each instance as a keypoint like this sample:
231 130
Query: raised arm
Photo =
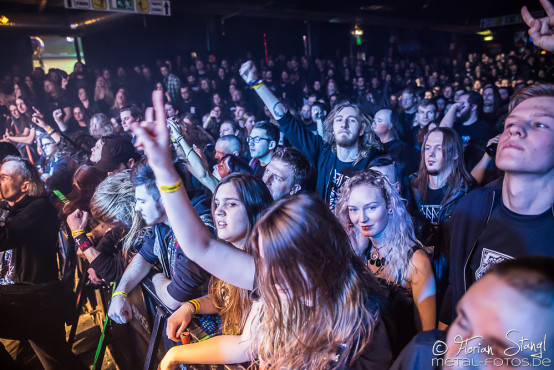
302 139
62 124
194 162
541 30
450 116
38 119
220 259
479 171
250 75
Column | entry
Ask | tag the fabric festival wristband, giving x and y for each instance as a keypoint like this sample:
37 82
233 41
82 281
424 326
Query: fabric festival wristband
120 292
171 188
85 245
81 238
258 85
77 232
255 82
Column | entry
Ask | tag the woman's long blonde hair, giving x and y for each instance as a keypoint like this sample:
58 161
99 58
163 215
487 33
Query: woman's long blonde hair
114 200
399 233
332 301
104 92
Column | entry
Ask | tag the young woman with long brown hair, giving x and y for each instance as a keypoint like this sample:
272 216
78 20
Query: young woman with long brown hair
238 202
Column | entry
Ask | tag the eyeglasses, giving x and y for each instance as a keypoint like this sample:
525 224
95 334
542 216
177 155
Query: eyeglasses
256 139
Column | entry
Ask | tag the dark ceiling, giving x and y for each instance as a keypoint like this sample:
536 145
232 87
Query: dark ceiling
446 15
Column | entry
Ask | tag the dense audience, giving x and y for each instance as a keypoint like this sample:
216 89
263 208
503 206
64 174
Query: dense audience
330 213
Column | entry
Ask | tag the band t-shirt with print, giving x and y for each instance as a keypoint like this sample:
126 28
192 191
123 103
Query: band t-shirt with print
431 207
509 235
342 172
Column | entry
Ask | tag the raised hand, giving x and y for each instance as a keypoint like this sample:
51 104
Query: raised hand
37 113
77 220
57 114
37 120
152 135
248 72
174 129
541 30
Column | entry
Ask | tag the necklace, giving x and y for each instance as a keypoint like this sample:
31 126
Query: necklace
375 260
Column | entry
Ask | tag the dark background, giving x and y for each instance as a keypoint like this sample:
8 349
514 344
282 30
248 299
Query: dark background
231 29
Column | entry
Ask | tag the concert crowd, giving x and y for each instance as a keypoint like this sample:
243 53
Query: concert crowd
321 213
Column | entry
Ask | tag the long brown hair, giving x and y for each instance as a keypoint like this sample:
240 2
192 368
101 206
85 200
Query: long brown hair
85 180
366 142
452 155
332 300
234 303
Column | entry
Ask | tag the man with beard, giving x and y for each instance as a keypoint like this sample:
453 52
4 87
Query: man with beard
464 117
349 140
306 117
171 82
440 182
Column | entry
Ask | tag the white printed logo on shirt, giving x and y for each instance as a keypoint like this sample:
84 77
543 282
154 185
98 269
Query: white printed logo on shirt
489 258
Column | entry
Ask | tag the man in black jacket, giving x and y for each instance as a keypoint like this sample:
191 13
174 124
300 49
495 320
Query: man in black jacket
513 217
31 297
349 140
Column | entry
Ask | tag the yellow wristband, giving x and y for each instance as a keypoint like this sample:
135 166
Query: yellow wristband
258 85
120 292
49 130
171 188
77 232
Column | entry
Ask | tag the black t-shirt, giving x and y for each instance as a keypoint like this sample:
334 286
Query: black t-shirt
509 235
431 207
343 172
404 129
474 138
478 132
188 280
